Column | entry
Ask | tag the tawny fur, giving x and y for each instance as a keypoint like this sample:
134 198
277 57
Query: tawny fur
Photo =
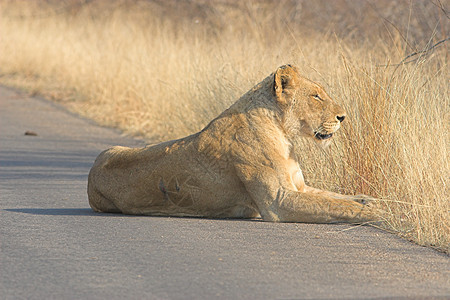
240 166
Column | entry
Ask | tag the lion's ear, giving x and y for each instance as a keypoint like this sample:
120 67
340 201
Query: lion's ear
283 80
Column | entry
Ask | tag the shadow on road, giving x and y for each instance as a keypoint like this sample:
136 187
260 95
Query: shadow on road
57 211
90 212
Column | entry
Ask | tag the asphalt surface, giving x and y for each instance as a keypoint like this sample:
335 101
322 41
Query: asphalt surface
53 246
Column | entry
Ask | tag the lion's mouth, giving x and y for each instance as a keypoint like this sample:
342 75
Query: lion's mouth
321 136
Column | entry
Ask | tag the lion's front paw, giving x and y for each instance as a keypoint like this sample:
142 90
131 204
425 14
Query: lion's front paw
364 199
371 207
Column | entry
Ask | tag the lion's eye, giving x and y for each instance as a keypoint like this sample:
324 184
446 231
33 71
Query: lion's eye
317 97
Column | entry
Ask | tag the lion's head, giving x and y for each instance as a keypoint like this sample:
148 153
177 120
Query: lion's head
306 108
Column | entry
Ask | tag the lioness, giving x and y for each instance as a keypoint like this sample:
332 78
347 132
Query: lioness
241 165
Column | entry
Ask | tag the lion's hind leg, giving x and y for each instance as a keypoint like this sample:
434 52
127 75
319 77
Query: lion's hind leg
99 203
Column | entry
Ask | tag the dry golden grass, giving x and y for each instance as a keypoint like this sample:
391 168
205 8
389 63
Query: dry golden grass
164 70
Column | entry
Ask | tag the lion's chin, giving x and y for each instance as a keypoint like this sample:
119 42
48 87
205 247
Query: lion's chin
323 143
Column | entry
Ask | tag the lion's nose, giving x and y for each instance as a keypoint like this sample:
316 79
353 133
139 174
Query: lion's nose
340 118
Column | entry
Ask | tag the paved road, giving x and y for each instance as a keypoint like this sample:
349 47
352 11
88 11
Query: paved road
54 247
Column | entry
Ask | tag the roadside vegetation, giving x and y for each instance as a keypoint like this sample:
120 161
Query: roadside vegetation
163 69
